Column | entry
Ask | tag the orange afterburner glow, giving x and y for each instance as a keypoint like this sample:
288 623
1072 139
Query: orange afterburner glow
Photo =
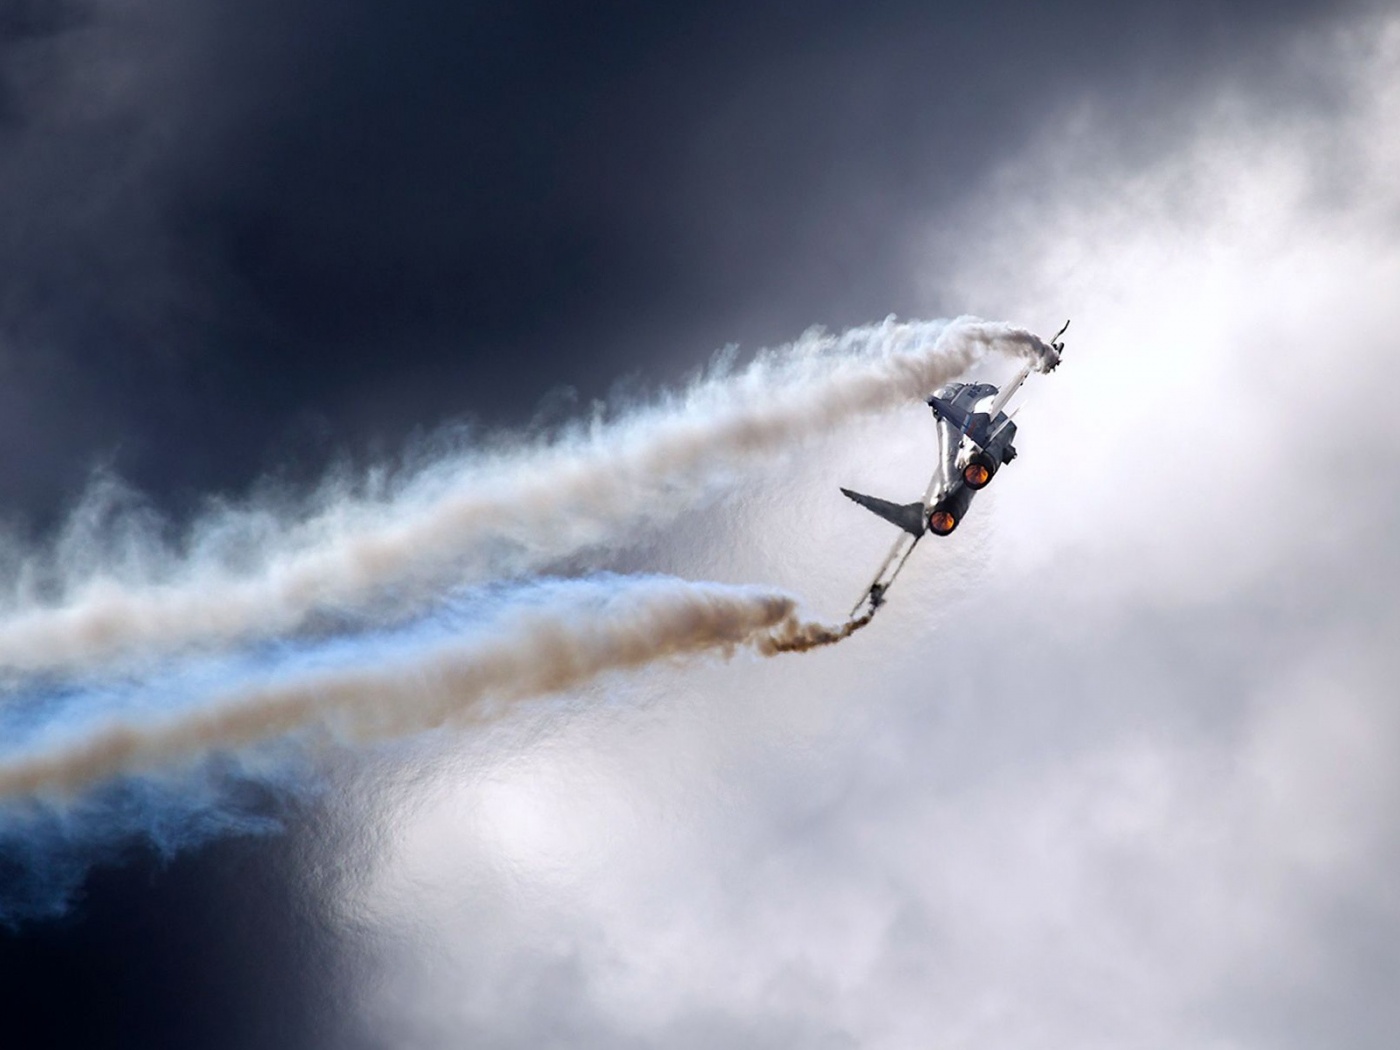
942 522
976 475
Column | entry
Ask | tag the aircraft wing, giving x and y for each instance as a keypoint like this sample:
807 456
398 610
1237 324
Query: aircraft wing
904 545
1005 393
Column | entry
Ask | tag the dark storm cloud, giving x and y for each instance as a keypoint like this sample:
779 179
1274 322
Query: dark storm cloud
235 234
221 955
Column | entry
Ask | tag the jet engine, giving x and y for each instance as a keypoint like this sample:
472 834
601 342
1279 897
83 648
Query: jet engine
979 471
948 512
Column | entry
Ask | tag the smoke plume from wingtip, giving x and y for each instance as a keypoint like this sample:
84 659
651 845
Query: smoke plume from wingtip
580 631
489 513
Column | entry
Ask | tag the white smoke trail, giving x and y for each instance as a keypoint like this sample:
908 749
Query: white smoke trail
489 513
581 630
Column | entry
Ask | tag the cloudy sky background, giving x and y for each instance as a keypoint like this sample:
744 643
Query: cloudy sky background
1117 764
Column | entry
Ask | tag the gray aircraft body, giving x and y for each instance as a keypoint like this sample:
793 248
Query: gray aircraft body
976 438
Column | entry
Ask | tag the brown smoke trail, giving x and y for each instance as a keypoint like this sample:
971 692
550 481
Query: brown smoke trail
502 512
796 636
526 655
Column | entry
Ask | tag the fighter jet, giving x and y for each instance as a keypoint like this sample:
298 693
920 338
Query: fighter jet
975 440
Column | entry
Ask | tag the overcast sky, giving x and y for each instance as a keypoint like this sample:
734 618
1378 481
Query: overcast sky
1116 767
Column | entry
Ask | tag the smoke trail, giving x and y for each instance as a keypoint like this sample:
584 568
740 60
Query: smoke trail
798 637
572 633
479 515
